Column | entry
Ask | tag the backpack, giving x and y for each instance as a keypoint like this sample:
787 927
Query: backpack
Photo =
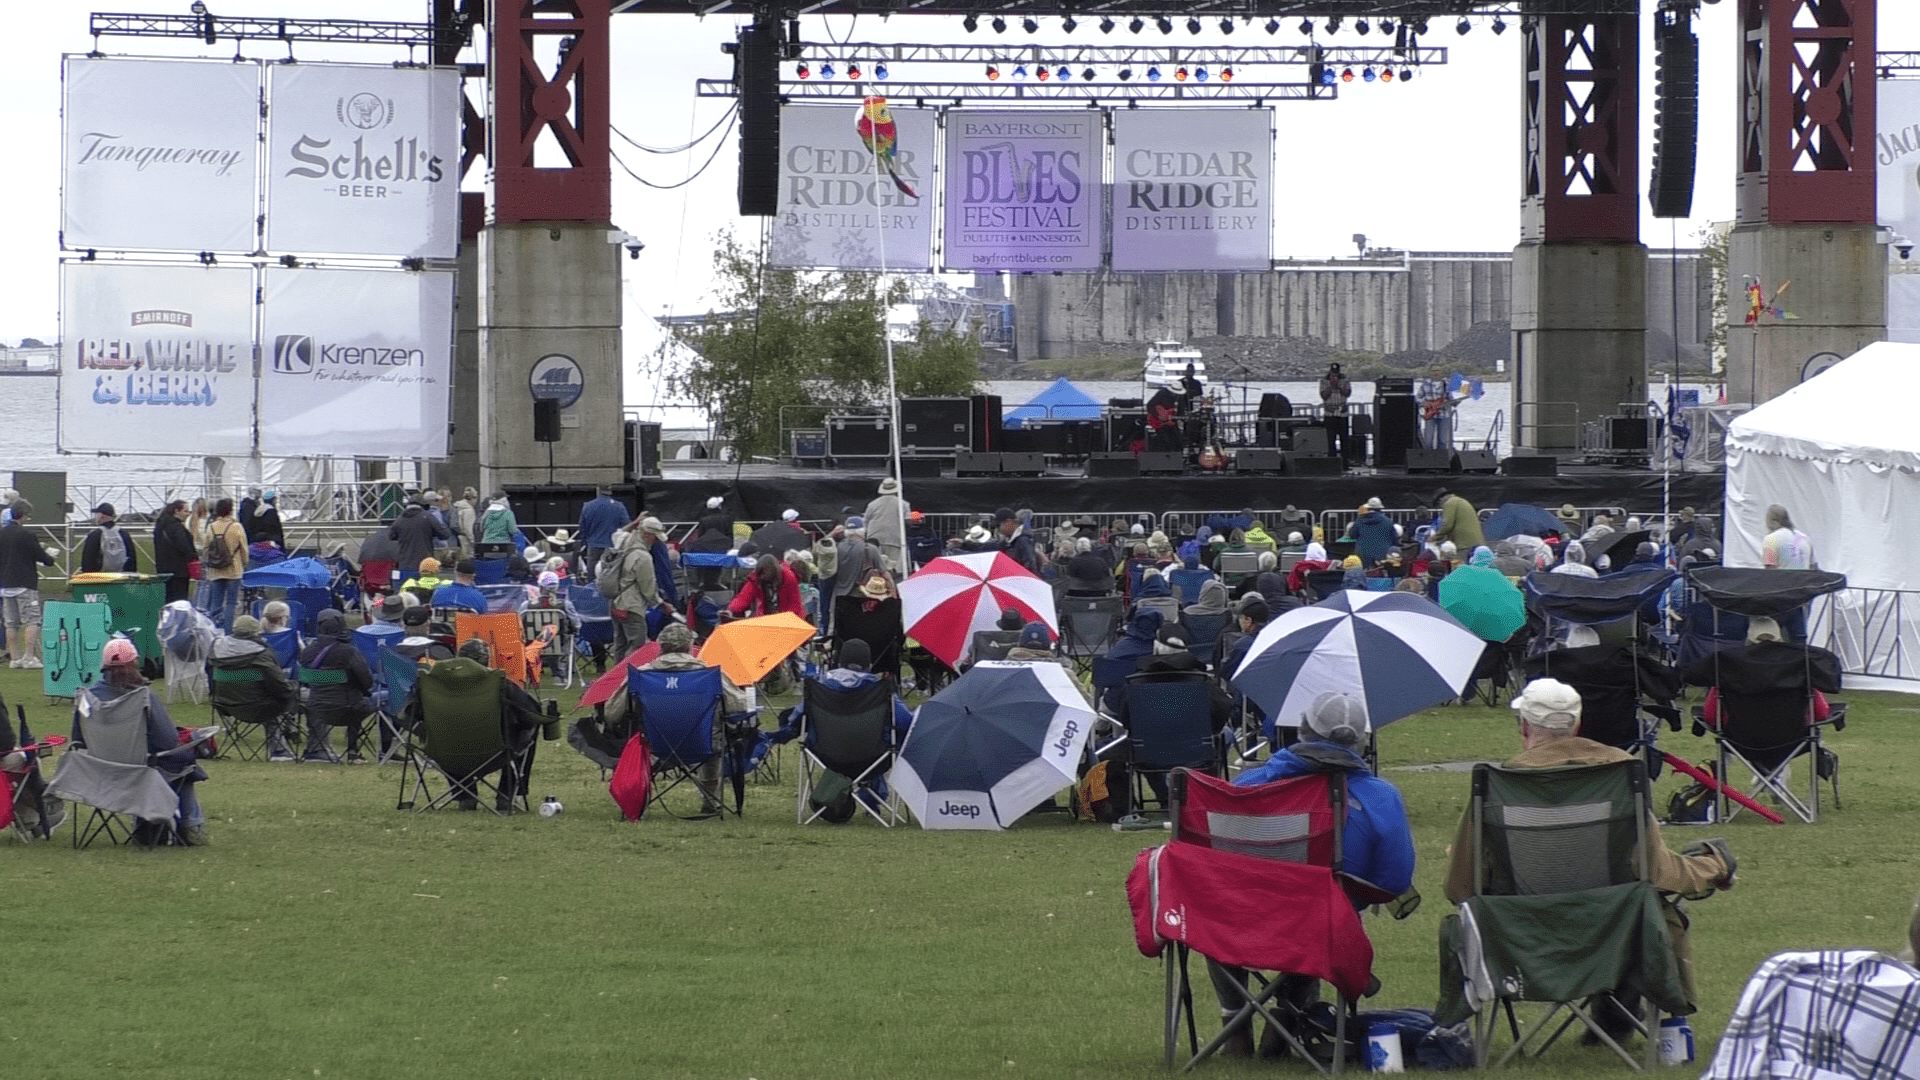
606 572
219 555
1691 805
113 549
1102 795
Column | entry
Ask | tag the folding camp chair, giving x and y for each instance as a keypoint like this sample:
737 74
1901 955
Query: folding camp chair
1088 627
1167 606
490 571
502 635
1169 726
320 724
1236 566
535 622
1203 633
882 628
1767 732
1321 584
249 727
187 638
1186 584
111 776
1563 905
849 732
455 731
992 644
285 646
678 711
1250 880
593 614
398 674
376 581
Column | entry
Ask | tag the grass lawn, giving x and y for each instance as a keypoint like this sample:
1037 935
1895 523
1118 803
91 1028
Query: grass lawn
322 933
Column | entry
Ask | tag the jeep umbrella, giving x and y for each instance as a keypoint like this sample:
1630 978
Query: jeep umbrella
997 742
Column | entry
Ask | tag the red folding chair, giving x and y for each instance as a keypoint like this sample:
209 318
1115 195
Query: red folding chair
1249 881
376 581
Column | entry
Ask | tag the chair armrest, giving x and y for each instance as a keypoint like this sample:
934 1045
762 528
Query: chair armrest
1836 715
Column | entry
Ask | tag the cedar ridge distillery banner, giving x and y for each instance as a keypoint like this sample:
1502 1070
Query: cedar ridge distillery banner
1023 190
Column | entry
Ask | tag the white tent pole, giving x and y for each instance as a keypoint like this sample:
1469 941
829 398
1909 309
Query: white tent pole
886 336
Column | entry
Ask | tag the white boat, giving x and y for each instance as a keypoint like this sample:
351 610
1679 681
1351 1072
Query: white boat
1167 363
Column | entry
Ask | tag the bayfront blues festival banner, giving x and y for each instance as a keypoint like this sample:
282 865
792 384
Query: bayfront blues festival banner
1192 189
856 187
355 362
156 359
363 160
1023 190
160 154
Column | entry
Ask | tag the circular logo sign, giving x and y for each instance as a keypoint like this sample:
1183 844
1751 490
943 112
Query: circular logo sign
366 111
1818 363
556 376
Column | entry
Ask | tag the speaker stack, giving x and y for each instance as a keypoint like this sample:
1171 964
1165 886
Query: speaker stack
1396 417
1475 461
756 78
1256 460
1419 459
1676 113
1112 465
546 420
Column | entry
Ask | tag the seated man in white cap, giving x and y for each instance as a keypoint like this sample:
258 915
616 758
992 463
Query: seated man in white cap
1549 713
1377 845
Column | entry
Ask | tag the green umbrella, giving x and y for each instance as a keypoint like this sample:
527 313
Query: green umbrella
1484 601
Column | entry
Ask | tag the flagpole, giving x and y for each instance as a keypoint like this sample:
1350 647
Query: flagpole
886 337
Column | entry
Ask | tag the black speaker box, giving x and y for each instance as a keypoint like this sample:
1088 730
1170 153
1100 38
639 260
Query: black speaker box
1315 465
1627 432
1311 440
1026 464
1532 465
859 436
972 464
988 422
643 448
1676 116
925 467
1275 406
1113 465
756 77
1162 462
936 423
1396 421
1475 461
546 420
1421 459
1254 460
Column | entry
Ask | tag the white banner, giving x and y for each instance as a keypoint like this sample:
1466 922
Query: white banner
355 362
1022 190
838 207
363 160
1897 187
1192 189
160 154
156 359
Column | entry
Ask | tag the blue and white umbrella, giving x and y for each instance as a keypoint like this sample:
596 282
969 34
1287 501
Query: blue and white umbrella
997 742
1398 651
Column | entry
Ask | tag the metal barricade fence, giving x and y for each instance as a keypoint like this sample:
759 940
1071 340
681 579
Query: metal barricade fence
1874 632
1334 523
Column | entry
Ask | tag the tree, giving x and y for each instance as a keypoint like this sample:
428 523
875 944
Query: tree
780 339
1713 253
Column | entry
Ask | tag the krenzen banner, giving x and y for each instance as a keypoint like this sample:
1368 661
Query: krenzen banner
363 160
843 205
1022 190
156 359
1192 189
355 362
160 154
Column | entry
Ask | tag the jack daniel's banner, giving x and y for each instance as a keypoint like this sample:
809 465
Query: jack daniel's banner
1023 190
160 154
1192 189
845 207
363 160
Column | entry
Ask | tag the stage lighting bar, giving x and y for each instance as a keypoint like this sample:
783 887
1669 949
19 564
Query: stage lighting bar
1078 56
1122 10
1893 65
350 31
1069 91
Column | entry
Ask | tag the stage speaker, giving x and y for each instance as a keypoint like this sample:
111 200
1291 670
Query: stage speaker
1315 465
1356 450
643 456
546 420
1162 463
1421 459
1311 440
1275 406
1111 465
1396 422
1025 464
1676 113
756 79
1531 465
935 423
1475 461
1627 432
923 467
972 464
1254 460
986 417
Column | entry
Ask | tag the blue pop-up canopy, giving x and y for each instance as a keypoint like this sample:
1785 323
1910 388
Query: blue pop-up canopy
1061 401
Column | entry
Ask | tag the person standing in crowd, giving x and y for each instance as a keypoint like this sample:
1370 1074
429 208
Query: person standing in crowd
1335 389
108 548
1373 533
886 526
265 527
21 557
417 534
1459 521
464 519
222 562
639 586
1785 547
197 522
496 527
599 520
248 507
174 549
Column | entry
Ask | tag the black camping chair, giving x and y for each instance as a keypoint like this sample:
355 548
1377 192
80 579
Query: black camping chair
1169 726
879 623
848 732
1089 625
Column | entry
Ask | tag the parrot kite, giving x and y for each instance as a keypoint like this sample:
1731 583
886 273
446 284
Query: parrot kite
1759 304
879 134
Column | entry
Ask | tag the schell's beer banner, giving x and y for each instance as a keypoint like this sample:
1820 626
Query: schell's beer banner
363 160
1023 190
160 154
1192 189
856 187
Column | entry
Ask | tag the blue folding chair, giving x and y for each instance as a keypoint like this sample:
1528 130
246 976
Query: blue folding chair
506 599
593 613
286 648
1169 726
398 674
1110 674
489 571
370 637
1203 633
307 604
678 711
1186 584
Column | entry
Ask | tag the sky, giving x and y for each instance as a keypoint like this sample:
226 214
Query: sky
1430 165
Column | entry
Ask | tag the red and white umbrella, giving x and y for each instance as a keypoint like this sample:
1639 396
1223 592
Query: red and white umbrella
953 596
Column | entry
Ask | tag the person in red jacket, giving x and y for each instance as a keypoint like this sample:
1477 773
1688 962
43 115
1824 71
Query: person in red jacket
770 588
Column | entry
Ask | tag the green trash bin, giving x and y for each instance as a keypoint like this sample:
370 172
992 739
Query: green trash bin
133 602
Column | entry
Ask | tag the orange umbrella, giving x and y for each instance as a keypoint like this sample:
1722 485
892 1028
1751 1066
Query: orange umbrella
747 649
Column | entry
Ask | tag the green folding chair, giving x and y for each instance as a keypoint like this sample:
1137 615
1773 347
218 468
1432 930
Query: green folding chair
455 732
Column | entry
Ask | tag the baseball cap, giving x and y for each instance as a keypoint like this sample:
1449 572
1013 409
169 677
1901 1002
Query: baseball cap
1337 718
418 615
119 652
464 566
105 508
429 565
1034 635
1549 704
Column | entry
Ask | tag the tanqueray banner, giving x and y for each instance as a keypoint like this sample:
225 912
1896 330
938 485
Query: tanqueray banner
856 187
1192 189
160 154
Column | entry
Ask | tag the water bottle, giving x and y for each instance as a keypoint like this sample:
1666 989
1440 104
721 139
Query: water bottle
1383 1048
550 807
1676 1041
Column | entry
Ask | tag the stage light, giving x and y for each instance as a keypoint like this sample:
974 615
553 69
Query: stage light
1273 26
1136 24
1043 73
1386 26
826 71
1200 73
1165 24
1346 75
1306 27
1226 74
1029 25
1068 24
1020 71
1180 73
993 72
1367 74
1462 26
1406 74
1063 73
970 23
1125 74
999 25
1419 24
1226 26
1327 77
1361 27
1499 25
1106 24
1193 25
880 71
853 71
1333 24
1153 74
200 12
199 7
803 70
1386 74
1087 75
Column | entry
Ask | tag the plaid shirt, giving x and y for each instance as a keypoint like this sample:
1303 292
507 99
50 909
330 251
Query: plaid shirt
1822 1016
